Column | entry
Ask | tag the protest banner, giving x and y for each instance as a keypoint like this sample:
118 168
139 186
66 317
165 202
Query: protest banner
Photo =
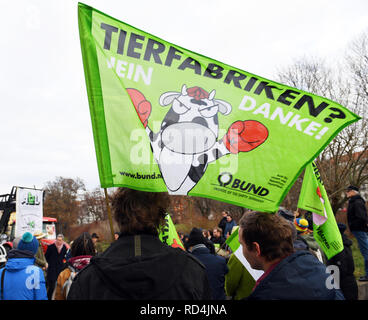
165 118
313 197
29 211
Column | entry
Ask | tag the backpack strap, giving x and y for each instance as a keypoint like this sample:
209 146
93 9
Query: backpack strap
2 284
137 246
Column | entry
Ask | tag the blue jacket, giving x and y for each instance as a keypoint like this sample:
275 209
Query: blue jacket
216 268
299 276
23 280
229 227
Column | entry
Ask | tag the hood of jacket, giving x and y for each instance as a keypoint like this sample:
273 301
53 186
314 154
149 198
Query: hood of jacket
19 260
140 277
299 276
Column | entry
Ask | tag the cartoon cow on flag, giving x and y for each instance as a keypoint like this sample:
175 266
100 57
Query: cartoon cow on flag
188 139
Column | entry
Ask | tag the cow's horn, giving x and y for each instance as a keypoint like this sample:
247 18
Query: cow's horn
212 94
184 90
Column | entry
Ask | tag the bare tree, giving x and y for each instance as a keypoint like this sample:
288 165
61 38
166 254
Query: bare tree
62 201
345 160
93 207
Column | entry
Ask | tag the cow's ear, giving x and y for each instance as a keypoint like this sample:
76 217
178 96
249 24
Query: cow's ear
168 97
224 107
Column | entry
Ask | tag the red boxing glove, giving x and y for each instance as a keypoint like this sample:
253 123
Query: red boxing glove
141 105
244 136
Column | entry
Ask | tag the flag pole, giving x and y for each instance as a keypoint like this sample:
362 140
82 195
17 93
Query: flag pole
109 215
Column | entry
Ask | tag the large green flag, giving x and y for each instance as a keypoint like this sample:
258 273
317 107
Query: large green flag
313 197
168 119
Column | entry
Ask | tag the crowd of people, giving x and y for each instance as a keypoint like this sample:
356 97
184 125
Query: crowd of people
137 265
27 272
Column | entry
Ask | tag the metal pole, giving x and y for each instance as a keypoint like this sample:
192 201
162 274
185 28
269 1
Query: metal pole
109 215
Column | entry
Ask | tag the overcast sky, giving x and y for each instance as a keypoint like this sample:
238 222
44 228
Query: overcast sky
45 127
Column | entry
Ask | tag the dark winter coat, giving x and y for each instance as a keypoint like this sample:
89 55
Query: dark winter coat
220 240
216 269
344 260
159 272
222 224
299 276
229 227
56 261
357 214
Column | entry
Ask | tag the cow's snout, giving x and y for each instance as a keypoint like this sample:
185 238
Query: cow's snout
188 138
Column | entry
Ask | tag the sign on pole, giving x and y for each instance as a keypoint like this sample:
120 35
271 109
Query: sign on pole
29 211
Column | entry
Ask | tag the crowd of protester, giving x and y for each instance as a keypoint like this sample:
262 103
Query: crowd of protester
137 265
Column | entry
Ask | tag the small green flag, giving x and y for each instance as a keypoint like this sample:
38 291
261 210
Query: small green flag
169 234
233 240
313 197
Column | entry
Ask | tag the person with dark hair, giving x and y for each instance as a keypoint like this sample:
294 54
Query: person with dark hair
358 223
97 243
217 237
138 266
208 243
222 223
230 224
82 250
216 267
267 244
207 234
55 255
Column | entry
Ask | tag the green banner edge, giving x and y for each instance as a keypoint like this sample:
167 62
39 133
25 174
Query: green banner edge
94 92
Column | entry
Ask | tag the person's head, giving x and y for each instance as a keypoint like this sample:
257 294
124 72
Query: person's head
59 239
16 242
301 225
138 212
83 246
265 237
217 232
351 191
116 235
287 214
95 237
28 242
195 237
229 218
224 213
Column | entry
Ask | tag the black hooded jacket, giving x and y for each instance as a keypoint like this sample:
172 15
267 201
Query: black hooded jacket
357 214
160 272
